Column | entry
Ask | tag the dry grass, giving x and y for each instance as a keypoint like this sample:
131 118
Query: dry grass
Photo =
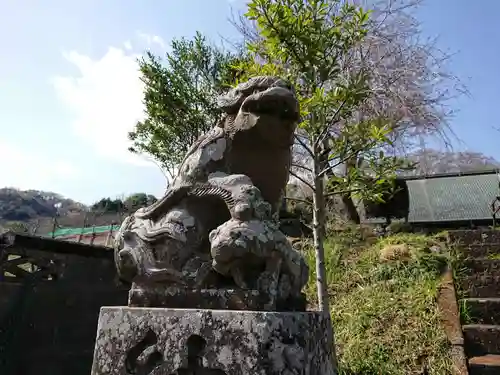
383 303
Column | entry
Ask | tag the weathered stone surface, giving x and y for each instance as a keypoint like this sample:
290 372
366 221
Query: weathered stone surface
481 339
149 341
217 299
466 237
482 310
221 211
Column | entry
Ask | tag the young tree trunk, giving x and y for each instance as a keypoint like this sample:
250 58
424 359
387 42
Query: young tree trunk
319 236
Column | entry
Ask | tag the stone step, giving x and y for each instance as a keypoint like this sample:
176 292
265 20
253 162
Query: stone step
480 286
480 278
484 250
485 365
474 236
486 266
481 339
482 310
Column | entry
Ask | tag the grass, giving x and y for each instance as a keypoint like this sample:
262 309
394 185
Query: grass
465 314
383 304
460 271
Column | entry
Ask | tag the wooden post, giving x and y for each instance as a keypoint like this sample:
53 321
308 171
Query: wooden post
93 235
110 234
36 226
54 226
83 228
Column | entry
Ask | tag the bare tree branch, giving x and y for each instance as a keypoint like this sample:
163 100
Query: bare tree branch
300 166
308 184
429 162
298 200
327 129
411 86
304 145
411 83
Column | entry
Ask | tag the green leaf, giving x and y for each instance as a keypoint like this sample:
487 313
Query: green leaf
180 96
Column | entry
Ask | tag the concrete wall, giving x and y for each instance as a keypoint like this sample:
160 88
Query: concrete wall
49 328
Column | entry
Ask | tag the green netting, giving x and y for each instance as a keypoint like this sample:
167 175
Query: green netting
82 231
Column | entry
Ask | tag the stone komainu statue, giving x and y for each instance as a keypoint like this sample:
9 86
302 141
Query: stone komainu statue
217 223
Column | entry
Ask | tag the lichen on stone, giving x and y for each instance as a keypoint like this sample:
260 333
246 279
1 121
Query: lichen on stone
159 342
216 226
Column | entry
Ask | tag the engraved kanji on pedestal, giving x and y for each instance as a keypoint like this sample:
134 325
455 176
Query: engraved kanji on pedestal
145 359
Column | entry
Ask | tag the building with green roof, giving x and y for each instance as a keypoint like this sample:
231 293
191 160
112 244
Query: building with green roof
452 198
101 235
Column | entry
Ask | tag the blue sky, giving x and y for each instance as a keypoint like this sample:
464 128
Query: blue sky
70 92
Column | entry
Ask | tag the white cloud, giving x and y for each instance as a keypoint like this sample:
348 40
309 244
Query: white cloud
105 98
127 45
27 170
151 39
64 168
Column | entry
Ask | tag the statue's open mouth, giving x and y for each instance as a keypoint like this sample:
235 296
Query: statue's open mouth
275 101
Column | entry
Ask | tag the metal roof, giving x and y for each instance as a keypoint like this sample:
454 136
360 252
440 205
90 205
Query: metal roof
65 232
451 197
477 172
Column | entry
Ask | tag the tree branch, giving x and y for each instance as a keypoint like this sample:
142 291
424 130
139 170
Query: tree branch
298 200
326 128
341 192
353 152
303 180
304 145
302 167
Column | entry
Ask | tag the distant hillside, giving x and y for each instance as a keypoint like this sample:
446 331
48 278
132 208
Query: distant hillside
31 208
25 210
26 205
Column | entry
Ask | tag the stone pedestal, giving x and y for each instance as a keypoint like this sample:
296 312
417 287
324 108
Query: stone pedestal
215 299
162 341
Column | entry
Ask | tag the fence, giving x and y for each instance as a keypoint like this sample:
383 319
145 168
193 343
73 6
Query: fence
100 235
92 228
50 295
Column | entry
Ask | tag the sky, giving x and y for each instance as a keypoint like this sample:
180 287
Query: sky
70 88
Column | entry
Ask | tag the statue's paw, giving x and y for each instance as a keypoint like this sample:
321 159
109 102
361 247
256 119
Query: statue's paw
203 274
268 282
